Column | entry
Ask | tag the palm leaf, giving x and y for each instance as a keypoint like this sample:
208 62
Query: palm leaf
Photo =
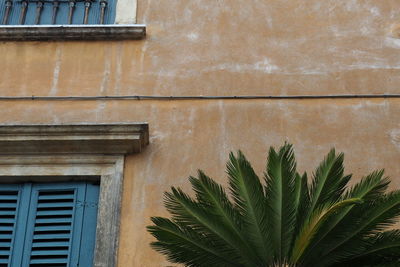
183 245
383 246
368 219
187 212
383 249
283 198
212 196
249 199
368 188
302 204
316 220
327 185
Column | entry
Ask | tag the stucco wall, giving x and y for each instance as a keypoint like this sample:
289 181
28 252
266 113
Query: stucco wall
223 48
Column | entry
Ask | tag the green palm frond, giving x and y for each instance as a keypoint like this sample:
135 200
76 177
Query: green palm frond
328 182
248 194
315 222
212 196
370 187
185 211
289 221
184 245
369 219
381 248
282 199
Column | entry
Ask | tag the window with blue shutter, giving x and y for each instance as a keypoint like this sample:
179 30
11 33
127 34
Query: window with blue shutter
51 12
48 224
9 202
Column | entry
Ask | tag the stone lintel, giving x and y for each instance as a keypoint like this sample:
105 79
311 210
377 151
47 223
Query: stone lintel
73 139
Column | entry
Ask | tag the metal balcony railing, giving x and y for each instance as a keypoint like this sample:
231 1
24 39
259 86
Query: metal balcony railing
45 12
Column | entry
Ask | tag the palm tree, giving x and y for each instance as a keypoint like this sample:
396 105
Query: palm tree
286 220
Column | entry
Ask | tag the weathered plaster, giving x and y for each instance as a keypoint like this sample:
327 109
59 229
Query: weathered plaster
226 48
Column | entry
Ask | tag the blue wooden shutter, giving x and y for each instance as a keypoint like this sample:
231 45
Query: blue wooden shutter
54 222
48 224
89 225
14 202
9 201
54 230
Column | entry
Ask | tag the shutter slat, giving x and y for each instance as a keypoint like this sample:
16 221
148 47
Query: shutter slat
7 212
48 261
50 244
54 212
5 244
6 228
60 196
56 205
2 236
8 205
53 228
9 197
52 236
8 221
54 220
49 252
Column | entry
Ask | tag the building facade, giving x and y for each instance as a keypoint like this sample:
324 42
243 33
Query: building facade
207 78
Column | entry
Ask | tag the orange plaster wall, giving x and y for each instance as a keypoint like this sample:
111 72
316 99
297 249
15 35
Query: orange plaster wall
223 48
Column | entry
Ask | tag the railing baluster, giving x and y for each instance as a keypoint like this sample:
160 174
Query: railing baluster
103 6
24 9
7 12
39 8
71 10
55 10
87 7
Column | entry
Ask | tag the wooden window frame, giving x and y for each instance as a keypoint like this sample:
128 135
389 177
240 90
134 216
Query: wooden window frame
64 151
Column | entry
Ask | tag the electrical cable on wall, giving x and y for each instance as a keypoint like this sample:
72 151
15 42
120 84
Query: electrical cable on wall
168 98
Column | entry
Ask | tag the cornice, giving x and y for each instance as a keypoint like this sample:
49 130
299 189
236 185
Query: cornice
73 139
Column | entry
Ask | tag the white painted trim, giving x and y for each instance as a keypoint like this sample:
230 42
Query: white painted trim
126 12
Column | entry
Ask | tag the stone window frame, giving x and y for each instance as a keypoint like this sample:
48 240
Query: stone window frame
126 12
65 152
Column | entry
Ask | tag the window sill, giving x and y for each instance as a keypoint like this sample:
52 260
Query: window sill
72 32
